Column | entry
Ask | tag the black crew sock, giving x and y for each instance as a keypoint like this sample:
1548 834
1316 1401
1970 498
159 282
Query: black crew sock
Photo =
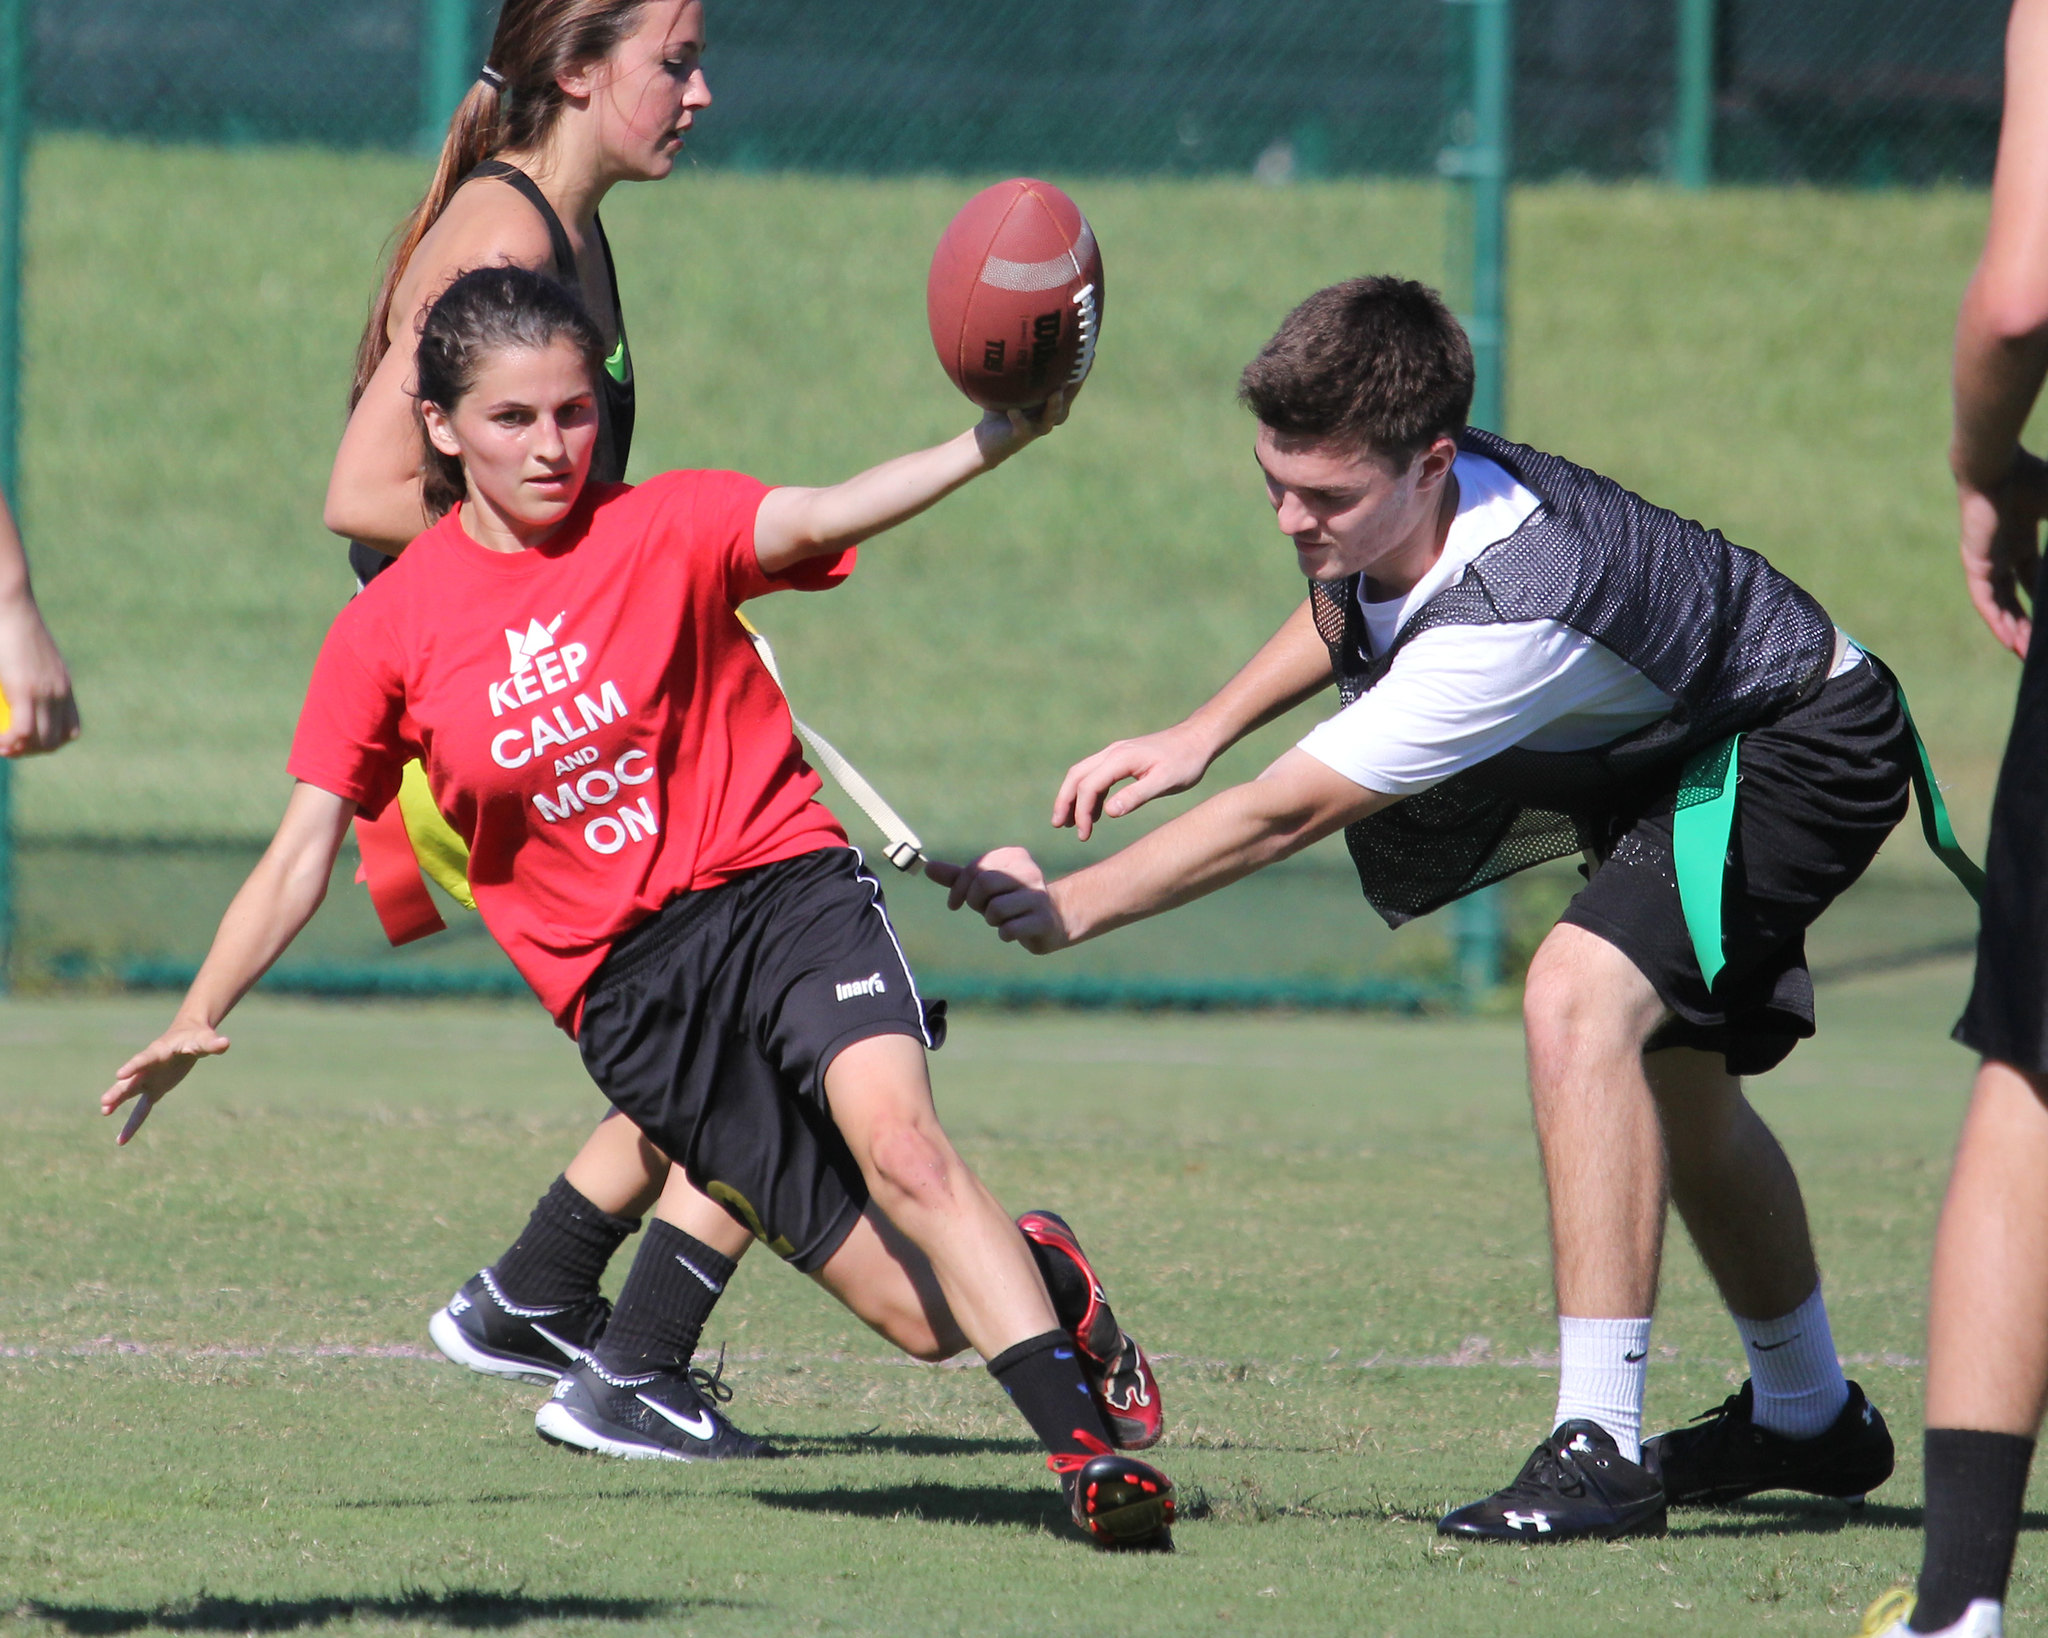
561 1253
675 1282
1043 1375
1976 1486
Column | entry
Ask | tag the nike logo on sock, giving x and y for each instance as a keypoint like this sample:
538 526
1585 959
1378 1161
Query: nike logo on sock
710 1284
1063 1353
1772 1347
1636 1358
699 1426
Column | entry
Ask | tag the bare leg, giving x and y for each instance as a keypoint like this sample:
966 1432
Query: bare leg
882 1103
1987 1350
889 1283
619 1171
1588 1011
1733 1186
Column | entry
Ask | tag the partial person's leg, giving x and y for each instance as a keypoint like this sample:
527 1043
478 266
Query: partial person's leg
690 1251
533 1311
1987 1346
888 1284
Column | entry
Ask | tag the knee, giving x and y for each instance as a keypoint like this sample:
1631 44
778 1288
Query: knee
911 1166
1573 1006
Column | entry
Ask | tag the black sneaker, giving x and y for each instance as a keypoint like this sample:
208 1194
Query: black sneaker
1118 1374
668 1414
481 1329
1576 1485
1120 1501
1723 1455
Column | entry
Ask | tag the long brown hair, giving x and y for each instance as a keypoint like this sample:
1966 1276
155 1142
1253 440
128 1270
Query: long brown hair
535 40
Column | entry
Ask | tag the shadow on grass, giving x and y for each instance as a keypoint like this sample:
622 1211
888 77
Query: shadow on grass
466 1609
938 1503
1793 1516
899 1444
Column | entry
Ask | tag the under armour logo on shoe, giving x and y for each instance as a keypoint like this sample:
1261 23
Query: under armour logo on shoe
1523 1521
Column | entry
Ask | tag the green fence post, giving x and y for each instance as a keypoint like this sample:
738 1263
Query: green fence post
445 67
1480 161
14 139
1692 135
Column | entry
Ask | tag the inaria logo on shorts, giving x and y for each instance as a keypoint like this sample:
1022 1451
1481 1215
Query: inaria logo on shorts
871 985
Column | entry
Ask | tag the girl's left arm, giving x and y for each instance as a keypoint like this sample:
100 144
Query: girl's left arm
277 900
795 525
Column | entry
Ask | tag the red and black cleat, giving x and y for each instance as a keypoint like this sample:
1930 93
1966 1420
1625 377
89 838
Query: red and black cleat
1118 1374
1121 1502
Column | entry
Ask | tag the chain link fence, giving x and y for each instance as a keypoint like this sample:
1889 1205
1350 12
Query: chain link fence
1865 92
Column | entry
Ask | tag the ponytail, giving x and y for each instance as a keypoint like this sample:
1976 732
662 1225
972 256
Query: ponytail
514 106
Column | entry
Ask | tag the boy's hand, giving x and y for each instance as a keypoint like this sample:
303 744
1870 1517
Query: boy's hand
159 1067
1009 890
1003 432
1161 764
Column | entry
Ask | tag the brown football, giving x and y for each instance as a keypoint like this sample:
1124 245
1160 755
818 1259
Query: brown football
1015 296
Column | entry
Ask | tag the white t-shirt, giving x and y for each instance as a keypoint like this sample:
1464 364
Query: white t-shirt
1458 695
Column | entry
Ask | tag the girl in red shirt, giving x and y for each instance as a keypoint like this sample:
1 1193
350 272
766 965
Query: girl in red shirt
646 844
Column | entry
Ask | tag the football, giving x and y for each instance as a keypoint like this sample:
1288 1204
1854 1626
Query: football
1015 295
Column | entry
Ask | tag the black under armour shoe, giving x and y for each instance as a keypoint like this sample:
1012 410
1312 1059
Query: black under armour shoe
669 1414
1575 1486
1118 1374
480 1328
1723 1455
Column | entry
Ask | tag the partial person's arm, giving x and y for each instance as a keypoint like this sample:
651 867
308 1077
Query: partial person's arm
271 909
42 715
374 492
1292 666
795 525
2001 355
1296 802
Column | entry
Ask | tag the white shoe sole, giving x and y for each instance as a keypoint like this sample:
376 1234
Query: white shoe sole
447 1336
557 1426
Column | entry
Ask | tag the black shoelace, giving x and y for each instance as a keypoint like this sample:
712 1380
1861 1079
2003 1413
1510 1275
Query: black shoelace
712 1384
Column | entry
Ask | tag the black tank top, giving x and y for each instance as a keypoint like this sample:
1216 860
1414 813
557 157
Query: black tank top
615 380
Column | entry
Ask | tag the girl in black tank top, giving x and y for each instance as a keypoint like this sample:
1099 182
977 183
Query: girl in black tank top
615 385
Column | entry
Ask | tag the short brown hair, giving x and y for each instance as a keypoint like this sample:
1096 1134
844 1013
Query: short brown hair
1378 362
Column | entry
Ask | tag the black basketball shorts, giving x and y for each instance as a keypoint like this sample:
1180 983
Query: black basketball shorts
2007 1016
1820 790
711 1025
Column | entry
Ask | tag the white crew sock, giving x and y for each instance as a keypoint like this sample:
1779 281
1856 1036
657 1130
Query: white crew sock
1793 1369
1601 1366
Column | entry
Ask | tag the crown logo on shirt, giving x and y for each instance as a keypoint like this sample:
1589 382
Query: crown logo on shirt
535 639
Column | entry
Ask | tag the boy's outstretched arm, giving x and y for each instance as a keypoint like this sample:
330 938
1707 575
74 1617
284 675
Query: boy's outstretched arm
1296 802
796 524
277 900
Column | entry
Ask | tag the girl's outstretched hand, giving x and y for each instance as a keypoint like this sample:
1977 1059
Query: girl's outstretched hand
159 1067
1003 432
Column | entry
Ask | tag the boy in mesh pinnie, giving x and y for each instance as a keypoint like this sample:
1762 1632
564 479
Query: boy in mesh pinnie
1532 662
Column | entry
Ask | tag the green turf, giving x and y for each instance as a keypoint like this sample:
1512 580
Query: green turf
218 1414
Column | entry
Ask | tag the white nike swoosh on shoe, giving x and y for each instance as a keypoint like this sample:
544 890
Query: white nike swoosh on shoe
568 1350
699 1426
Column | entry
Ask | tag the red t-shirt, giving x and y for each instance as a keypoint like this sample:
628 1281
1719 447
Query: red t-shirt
593 720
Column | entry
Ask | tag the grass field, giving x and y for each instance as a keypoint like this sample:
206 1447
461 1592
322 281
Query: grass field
219 1413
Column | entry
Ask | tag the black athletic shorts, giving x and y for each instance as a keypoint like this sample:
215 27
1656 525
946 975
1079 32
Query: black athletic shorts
2007 1018
711 1025
1820 790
